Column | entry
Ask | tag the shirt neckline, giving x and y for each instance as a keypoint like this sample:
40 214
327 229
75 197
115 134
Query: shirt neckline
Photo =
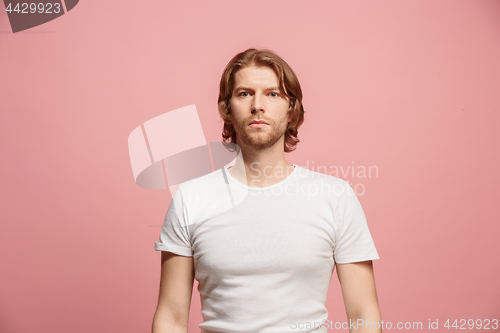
290 176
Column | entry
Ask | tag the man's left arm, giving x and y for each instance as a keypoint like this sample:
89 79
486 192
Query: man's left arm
360 296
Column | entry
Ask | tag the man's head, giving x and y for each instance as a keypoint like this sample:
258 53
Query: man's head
259 69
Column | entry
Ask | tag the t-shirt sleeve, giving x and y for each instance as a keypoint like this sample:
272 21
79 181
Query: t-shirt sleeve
174 235
354 242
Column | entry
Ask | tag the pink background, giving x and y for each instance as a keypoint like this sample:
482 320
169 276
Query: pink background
411 87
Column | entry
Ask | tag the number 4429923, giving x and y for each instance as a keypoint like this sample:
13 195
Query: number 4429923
462 324
27 8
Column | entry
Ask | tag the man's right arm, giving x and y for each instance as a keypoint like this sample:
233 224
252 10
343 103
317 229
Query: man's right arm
176 288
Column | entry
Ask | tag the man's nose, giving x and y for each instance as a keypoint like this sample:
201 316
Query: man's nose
257 103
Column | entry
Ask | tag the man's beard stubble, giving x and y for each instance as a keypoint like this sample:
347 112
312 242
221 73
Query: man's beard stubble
260 138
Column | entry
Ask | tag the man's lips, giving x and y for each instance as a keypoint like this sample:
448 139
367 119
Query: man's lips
257 125
258 122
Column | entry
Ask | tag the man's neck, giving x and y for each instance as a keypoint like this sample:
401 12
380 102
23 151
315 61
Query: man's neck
260 169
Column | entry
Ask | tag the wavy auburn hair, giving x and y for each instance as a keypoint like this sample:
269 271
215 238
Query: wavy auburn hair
289 84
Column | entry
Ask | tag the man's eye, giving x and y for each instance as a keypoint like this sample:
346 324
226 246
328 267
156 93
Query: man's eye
243 94
274 94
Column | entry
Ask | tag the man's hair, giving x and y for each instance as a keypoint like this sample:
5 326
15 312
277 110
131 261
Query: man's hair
289 85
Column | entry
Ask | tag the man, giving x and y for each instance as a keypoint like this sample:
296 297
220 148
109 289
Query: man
262 237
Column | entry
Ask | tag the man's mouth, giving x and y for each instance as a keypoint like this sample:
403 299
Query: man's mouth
258 123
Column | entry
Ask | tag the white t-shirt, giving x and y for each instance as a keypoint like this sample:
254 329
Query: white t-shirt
264 256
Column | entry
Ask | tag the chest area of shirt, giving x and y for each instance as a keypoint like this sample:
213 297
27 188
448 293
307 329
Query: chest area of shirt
252 239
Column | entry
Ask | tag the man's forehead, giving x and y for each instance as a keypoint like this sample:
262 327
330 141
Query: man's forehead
256 74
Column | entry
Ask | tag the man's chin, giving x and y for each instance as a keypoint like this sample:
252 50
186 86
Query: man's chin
259 140
261 144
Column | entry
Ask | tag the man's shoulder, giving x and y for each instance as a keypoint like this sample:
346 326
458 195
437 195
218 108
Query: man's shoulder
205 196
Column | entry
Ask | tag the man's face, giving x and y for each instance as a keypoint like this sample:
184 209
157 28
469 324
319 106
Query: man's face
256 96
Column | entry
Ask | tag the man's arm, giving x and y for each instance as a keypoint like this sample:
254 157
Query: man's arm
174 300
360 296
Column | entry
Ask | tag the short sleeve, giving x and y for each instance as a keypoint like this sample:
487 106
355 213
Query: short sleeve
174 235
354 242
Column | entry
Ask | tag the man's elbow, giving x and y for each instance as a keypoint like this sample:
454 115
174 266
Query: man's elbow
366 319
165 324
